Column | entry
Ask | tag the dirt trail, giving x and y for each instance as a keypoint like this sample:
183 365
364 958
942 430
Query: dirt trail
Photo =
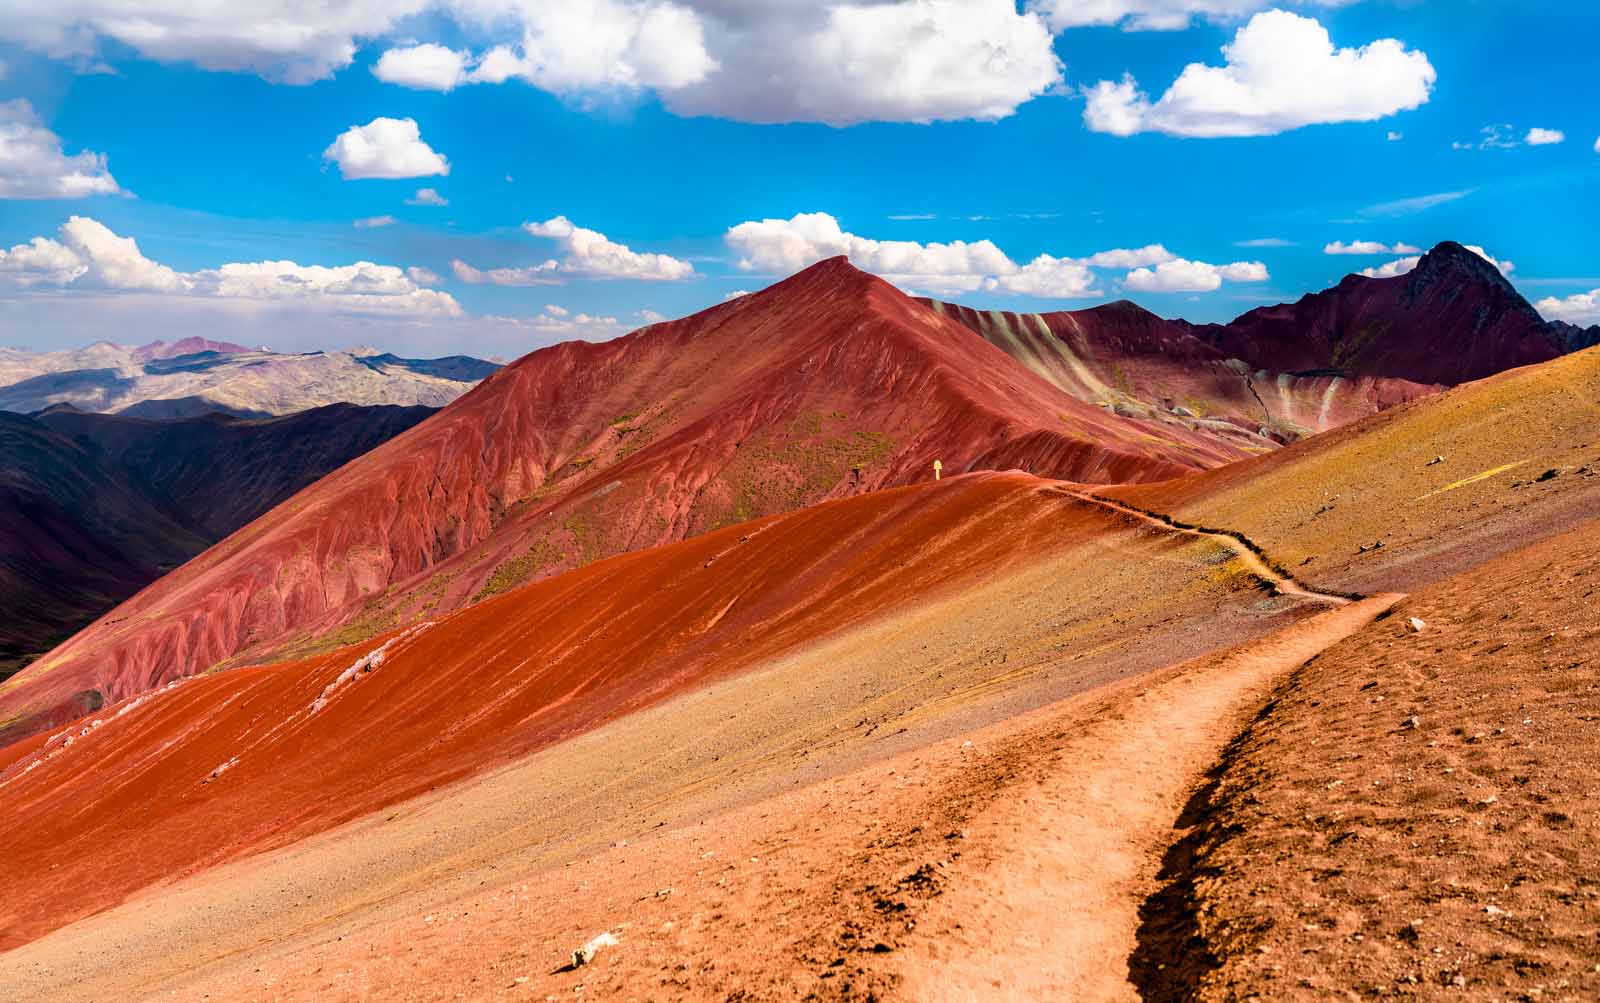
1054 911
1281 582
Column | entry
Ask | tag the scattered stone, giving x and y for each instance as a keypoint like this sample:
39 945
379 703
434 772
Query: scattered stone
1494 910
1417 625
1182 412
1548 475
585 954
1411 722
1364 549
1435 461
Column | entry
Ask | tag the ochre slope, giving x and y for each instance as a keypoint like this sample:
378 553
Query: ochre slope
235 762
1416 810
1442 483
828 383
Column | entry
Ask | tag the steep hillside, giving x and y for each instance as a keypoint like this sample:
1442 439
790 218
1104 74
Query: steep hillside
95 506
77 536
1452 319
193 376
1128 360
829 383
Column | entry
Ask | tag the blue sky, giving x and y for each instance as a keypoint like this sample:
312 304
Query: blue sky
1048 155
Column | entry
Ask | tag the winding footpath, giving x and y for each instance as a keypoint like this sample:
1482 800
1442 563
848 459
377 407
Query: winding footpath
1074 852
1281 582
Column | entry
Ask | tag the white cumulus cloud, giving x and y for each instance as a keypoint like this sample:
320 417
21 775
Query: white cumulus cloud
292 41
1370 247
901 61
385 148
1544 137
89 256
33 164
782 246
837 63
1281 72
428 66
1181 275
1582 309
591 254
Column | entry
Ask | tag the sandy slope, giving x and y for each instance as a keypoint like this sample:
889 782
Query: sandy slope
894 880
1416 817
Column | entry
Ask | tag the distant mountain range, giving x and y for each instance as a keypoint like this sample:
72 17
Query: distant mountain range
827 384
94 507
195 376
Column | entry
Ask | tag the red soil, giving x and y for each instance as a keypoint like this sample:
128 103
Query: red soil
236 762
829 383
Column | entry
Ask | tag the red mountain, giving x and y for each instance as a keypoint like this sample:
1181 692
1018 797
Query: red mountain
829 383
1452 319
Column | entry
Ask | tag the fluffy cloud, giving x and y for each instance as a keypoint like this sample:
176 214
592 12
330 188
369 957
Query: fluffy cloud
40 262
1281 72
592 254
582 45
902 61
1369 247
1183 276
1582 308
385 148
781 246
423 276
1544 137
1047 278
89 256
293 41
374 222
33 164
839 63
428 67
427 196
1151 15
1152 254
1404 265
1395 137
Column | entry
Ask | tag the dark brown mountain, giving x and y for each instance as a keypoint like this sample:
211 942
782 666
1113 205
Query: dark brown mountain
94 507
1452 319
